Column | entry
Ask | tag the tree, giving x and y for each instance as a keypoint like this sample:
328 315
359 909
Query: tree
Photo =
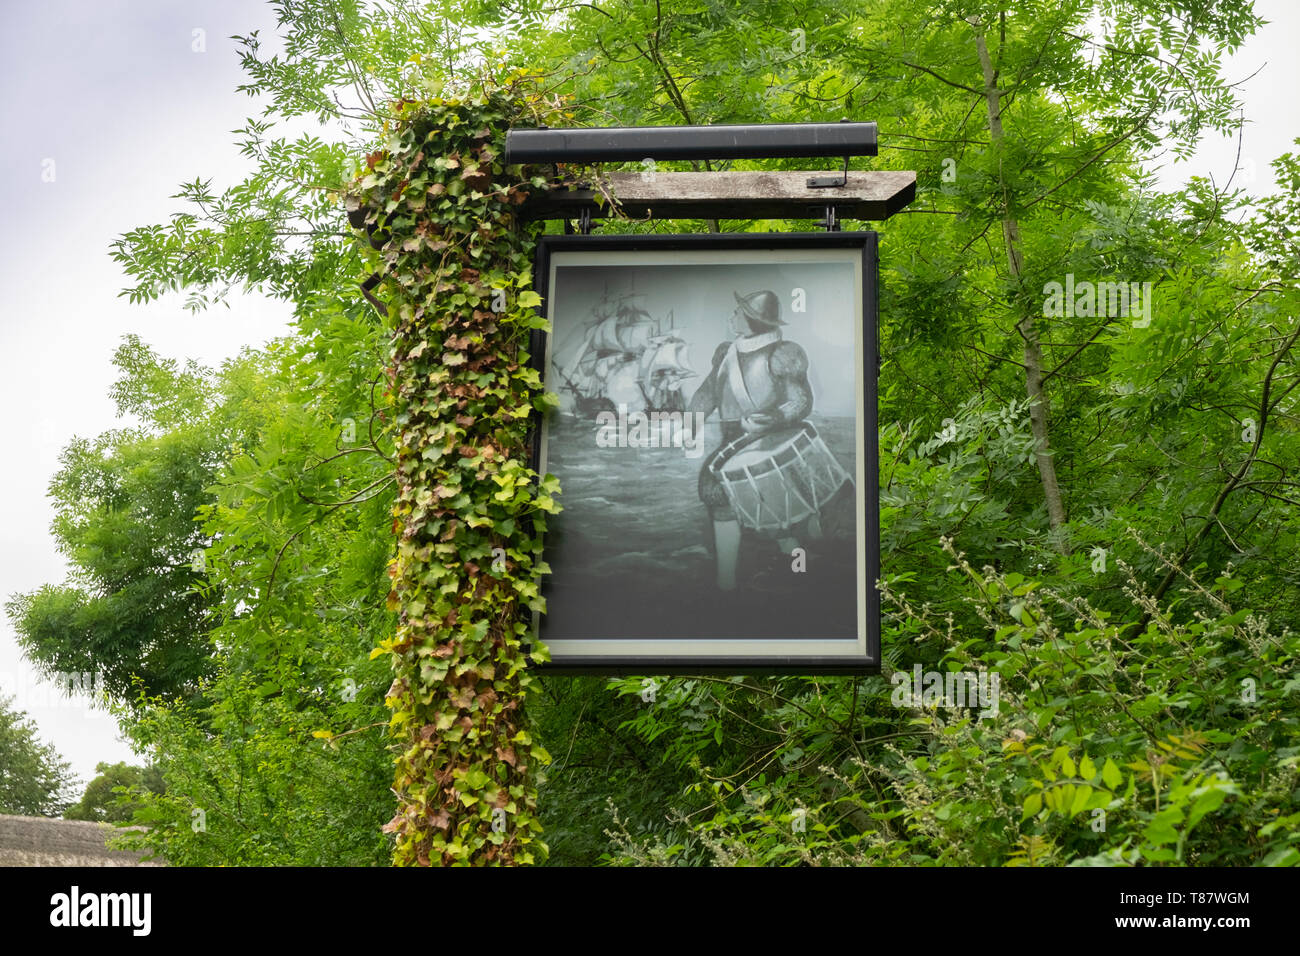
132 614
294 572
34 779
114 794
1031 134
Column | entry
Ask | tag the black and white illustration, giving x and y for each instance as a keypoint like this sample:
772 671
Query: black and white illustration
710 448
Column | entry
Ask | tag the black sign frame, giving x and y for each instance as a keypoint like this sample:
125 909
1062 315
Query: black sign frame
740 656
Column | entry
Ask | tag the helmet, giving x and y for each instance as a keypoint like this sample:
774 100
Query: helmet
761 308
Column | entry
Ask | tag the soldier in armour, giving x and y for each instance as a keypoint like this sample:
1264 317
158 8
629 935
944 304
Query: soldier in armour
759 387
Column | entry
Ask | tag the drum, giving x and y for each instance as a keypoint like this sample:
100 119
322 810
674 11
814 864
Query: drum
775 480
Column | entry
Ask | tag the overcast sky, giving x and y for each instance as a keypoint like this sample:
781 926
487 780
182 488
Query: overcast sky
116 95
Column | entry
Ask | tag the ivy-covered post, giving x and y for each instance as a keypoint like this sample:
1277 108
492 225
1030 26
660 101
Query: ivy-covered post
456 265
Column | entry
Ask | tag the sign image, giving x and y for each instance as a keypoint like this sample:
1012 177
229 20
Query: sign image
715 442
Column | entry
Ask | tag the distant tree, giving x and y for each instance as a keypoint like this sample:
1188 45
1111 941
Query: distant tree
134 607
103 801
34 780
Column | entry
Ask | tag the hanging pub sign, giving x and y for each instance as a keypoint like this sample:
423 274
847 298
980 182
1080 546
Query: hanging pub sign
716 447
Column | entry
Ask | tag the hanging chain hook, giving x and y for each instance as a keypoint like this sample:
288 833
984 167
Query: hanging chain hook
830 221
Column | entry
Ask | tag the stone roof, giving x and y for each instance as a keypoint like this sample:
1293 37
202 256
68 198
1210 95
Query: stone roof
42 841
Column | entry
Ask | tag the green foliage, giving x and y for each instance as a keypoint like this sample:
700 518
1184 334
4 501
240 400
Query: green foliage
273 474
1177 747
249 783
113 796
294 569
124 518
601 769
1123 682
34 780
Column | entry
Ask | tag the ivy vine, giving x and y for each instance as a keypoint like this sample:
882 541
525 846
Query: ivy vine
440 209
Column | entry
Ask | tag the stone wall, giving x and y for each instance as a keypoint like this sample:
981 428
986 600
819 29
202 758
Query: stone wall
41 841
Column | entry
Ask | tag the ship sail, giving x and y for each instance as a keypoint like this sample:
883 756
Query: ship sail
626 357
664 368
620 334
667 361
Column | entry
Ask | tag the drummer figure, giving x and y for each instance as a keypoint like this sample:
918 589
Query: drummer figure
759 387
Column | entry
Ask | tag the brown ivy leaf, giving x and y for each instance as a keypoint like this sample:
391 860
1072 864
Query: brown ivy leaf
476 179
462 698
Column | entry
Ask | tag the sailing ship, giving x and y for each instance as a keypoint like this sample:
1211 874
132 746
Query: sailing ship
626 357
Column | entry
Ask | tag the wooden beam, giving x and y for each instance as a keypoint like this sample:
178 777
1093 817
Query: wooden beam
874 195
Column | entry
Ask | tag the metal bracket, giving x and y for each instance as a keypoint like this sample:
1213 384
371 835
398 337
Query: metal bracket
829 221
584 223
830 182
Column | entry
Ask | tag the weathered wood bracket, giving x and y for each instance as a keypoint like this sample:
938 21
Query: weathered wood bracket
826 198
873 195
